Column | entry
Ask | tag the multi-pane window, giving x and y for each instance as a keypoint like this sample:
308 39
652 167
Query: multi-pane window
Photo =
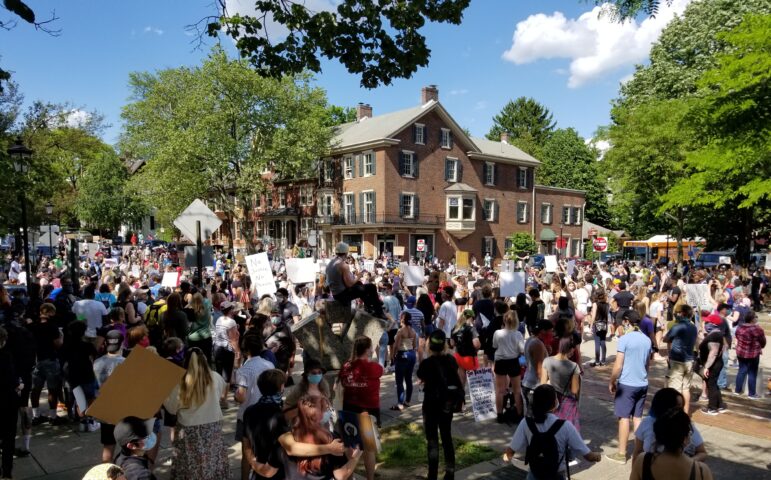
522 212
420 134
329 171
489 206
408 164
566 215
575 215
281 197
326 205
369 163
546 209
349 211
446 138
408 205
368 209
306 196
269 199
489 173
451 169
468 209
522 177
348 162
575 247
489 245
459 208
453 208
306 225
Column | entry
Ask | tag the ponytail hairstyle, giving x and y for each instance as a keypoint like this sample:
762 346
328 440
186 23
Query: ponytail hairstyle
544 401
511 320
195 383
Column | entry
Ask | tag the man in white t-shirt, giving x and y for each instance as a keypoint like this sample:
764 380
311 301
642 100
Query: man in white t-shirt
448 312
13 273
90 311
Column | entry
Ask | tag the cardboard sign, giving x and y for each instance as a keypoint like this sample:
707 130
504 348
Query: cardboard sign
398 251
413 276
170 279
461 260
482 390
301 270
357 430
571 267
551 263
137 387
261 274
699 296
512 283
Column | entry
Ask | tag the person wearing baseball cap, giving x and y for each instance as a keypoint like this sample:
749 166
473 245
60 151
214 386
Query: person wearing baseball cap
344 286
135 440
103 368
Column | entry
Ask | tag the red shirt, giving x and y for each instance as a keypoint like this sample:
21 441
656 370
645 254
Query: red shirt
361 383
750 340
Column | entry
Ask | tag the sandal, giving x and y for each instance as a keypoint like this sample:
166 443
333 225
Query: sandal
397 408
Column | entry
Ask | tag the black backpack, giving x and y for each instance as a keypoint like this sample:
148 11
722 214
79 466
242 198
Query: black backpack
542 453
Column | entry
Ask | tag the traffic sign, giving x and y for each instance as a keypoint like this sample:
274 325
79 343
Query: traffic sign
197 211
421 245
600 244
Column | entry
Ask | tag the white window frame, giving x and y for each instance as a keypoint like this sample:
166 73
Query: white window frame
575 247
490 178
327 208
489 245
348 199
578 212
489 216
566 221
366 208
410 172
411 196
306 225
446 138
348 163
519 219
369 163
522 178
461 199
420 139
282 197
550 210
269 200
456 167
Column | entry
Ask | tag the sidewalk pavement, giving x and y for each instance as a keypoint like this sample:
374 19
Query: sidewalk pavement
738 442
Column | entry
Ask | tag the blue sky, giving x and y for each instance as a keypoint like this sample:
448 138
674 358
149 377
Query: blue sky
562 55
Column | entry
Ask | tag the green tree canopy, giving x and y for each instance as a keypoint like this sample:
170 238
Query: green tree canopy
521 244
525 119
214 131
568 162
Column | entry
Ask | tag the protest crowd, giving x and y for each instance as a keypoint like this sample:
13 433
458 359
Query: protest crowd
447 325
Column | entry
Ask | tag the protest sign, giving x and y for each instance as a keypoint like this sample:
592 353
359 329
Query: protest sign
571 267
170 279
398 251
768 261
136 271
110 262
413 276
699 296
261 274
512 283
358 430
301 270
130 391
482 392
461 260
724 260
551 263
368 265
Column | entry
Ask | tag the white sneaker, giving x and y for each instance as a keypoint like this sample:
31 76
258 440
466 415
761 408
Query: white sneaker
93 426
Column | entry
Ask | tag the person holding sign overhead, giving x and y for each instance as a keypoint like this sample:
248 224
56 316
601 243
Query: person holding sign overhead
344 286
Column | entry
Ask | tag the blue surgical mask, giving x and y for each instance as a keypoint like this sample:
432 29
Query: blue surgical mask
150 441
315 379
326 418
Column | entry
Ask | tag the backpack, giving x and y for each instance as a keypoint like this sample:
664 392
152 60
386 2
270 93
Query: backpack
154 314
463 340
542 453
450 397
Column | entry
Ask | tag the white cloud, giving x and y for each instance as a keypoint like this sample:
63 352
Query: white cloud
594 42
155 30
459 91
275 30
77 118
602 146
480 105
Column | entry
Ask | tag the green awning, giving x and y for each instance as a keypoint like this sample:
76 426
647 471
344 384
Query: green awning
548 235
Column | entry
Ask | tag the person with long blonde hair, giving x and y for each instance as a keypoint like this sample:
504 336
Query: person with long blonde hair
509 345
198 450
200 325
309 429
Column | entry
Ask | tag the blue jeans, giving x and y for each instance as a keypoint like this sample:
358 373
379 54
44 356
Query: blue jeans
722 379
383 349
748 367
600 349
405 364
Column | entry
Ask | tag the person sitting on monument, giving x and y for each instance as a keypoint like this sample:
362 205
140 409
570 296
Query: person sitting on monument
344 286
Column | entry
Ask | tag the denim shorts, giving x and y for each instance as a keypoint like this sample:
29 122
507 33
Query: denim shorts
629 401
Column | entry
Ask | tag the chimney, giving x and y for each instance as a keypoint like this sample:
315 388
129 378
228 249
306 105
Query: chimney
363 110
505 137
429 93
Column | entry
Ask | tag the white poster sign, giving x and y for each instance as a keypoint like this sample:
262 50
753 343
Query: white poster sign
414 276
135 271
571 267
698 295
110 262
261 274
301 270
368 265
725 260
768 261
482 392
170 279
551 263
512 283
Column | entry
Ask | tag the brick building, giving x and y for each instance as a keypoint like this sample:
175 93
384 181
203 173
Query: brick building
415 177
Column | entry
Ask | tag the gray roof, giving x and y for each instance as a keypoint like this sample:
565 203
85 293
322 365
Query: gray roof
377 127
460 187
500 149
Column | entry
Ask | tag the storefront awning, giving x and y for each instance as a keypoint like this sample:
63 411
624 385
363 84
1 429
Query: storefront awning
548 235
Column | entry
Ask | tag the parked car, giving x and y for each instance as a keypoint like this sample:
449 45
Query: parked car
713 259
156 244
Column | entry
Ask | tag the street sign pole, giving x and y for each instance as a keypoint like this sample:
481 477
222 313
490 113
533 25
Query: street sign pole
199 253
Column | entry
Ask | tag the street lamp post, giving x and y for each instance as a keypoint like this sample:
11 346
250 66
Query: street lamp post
20 155
559 244
49 213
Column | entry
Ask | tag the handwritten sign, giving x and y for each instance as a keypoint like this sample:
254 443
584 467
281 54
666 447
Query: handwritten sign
413 276
551 263
368 265
135 271
461 260
261 274
725 260
512 283
301 270
170 279
699 296
398 251
482 391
